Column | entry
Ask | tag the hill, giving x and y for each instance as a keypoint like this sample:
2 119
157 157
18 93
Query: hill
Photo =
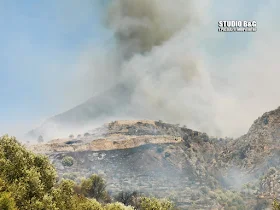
147 156
98 107
166 160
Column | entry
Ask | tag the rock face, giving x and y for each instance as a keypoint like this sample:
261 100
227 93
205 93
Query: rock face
164 160
259 148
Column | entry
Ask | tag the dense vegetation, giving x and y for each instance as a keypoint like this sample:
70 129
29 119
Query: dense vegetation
29 182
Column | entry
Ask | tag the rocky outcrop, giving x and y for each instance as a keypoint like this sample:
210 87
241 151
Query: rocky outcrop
259 149
112 142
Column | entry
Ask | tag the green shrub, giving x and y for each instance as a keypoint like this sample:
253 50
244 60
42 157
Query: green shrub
67 161
275 205
7 201
28 177
117 206
94 187
82 203
155 204
167 154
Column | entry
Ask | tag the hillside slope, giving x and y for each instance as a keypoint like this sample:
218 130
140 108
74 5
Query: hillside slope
152 157
165 160
101 106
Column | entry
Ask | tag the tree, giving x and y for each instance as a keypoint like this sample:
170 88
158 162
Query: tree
67 161
127 198
29 181
27 177
40 139
94 187
63 195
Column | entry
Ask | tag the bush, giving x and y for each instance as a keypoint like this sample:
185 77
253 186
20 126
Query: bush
205 189
265 120
62 194
117 206
82 203
94 187
271 171
155 204
275 205
160 150
167 154
7 201
230 199
67 161
26 178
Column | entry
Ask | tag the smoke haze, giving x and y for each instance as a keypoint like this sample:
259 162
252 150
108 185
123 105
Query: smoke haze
161 53
179 68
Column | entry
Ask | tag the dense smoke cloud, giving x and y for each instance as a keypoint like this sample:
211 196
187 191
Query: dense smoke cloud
141 25
174 63
160 61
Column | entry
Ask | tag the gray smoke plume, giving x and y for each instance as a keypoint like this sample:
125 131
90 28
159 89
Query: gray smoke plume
159 45
163 64
141 25
156 41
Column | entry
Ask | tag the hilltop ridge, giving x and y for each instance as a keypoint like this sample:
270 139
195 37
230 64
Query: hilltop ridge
122 134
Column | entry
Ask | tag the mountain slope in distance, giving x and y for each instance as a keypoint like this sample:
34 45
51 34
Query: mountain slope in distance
108 103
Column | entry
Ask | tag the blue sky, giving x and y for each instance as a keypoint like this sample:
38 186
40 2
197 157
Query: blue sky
40 40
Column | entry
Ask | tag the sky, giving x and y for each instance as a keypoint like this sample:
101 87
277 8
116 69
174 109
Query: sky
42 43
39 40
